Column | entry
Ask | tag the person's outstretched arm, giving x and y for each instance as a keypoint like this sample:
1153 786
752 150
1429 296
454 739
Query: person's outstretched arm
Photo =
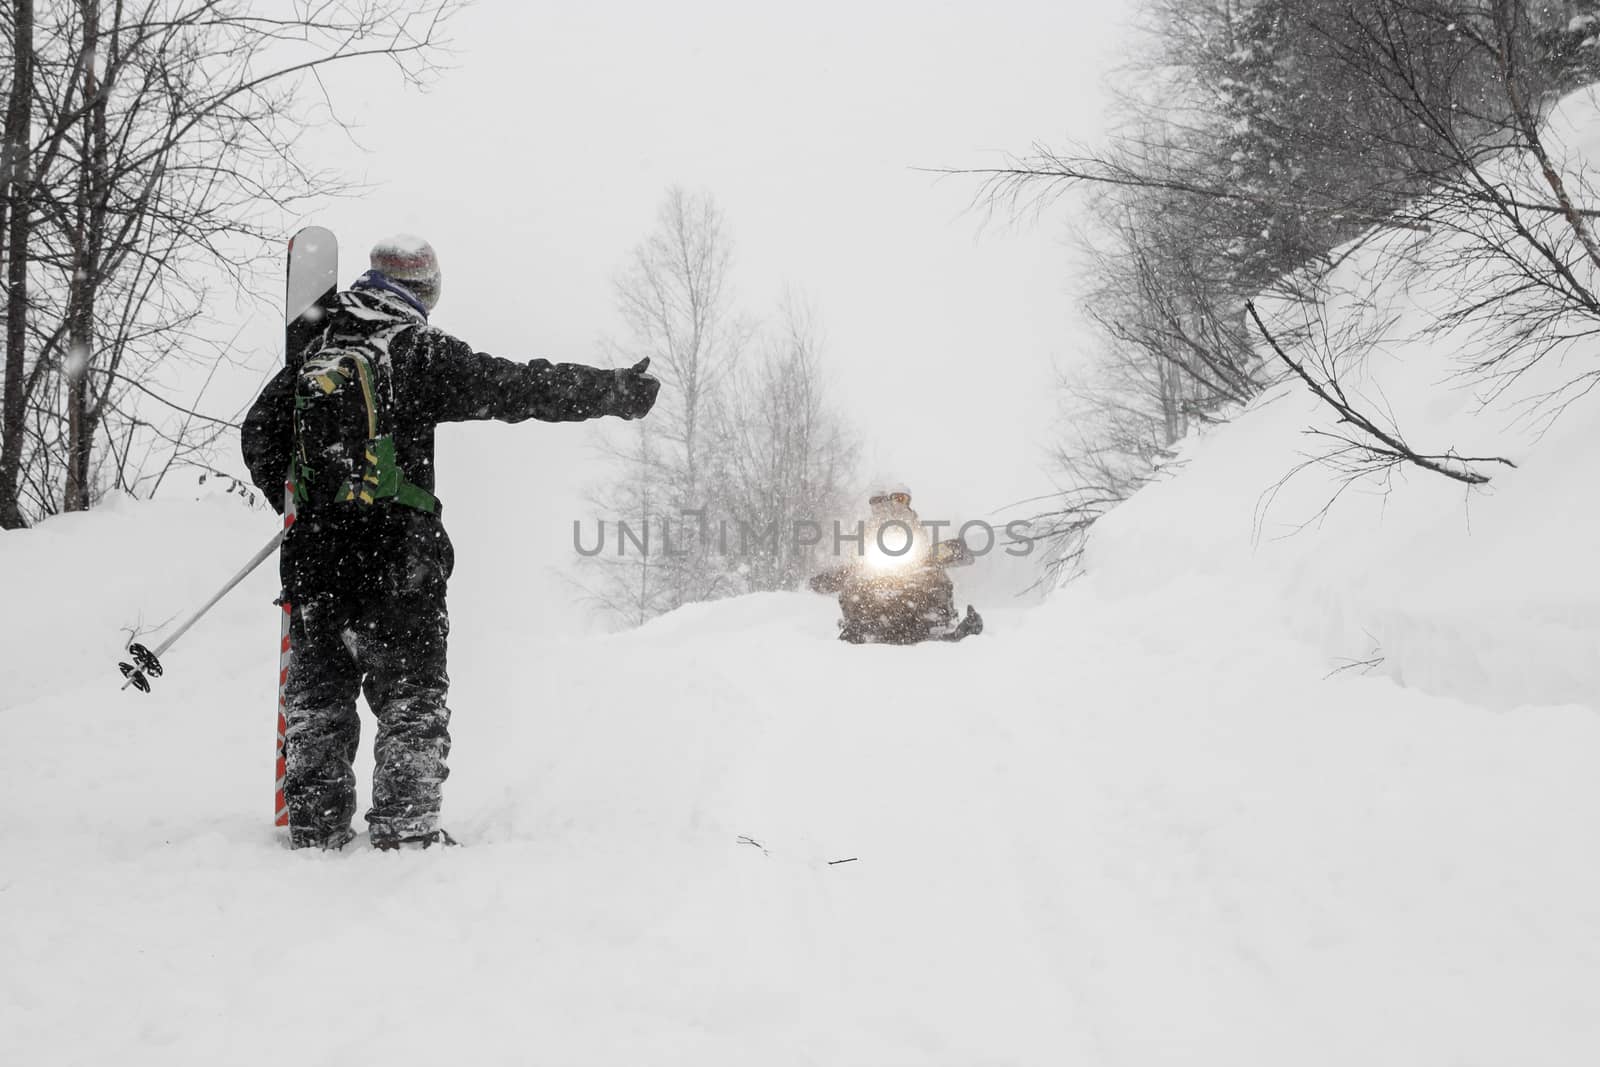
457 384
952 552
831 580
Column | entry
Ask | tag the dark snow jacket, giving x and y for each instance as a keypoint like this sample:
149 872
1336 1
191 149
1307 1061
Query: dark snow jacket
348 548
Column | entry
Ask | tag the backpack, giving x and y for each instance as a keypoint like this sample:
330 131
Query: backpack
344 450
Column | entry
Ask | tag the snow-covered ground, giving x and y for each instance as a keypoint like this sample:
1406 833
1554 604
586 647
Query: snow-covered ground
1134 825
1147 822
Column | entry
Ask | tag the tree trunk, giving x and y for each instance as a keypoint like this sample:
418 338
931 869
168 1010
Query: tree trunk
18 200
87 268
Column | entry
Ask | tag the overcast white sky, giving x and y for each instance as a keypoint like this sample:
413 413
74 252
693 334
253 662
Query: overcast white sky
537 162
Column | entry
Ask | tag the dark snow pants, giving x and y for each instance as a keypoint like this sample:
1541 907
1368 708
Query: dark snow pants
392 646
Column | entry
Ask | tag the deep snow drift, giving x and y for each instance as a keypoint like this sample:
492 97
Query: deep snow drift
1148 822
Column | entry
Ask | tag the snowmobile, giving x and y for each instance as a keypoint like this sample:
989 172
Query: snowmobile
900 599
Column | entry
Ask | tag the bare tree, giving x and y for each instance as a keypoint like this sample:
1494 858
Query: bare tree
1508 212
15 231
676 301
159 151
785 458
1284 135
704 495
1369 446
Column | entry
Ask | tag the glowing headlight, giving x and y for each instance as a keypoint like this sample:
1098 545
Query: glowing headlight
894 554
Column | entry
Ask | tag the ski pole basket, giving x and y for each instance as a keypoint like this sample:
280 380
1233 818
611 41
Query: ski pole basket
144 667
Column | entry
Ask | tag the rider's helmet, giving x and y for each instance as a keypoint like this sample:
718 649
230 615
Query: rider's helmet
888 495
411 262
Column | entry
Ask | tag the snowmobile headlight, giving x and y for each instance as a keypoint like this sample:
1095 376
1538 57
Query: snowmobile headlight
889 556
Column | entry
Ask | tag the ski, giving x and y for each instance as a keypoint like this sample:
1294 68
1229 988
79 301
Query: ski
311 282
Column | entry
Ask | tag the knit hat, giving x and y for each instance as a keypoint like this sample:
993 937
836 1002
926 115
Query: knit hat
411 262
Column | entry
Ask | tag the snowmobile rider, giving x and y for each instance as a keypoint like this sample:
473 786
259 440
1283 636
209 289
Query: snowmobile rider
896 591
365 562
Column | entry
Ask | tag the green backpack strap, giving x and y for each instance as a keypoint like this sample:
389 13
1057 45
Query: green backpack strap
384 480
381 477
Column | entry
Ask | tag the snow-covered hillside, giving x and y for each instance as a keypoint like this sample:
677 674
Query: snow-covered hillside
1490 593
1147 822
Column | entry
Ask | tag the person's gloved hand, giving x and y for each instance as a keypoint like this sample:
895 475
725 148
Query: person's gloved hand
636 391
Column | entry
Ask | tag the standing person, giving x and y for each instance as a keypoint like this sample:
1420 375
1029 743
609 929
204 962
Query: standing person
365 563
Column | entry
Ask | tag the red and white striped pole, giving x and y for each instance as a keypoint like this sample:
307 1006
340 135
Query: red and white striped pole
280 809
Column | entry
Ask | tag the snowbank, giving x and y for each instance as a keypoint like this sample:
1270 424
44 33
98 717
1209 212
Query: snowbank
1490 594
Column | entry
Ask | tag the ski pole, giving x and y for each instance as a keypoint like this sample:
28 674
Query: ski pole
146 662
